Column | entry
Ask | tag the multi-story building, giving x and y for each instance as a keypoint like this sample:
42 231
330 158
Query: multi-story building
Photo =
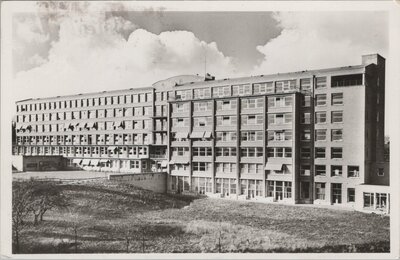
304 137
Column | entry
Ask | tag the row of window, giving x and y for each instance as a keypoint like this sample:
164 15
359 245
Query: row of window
83 150
91 114
336 152
320 135
336 99
249 89
86 139
335 170
89 102
100 126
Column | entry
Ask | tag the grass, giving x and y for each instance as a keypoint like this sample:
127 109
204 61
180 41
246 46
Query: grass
105 213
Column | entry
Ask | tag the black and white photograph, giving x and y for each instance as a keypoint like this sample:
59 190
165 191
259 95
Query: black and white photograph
199 129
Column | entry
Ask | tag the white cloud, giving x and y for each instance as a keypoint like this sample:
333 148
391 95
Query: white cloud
92 54
323 39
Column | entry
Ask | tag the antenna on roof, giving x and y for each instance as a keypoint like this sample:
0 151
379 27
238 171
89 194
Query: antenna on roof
205 62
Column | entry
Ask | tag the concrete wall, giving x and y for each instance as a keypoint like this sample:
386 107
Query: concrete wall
38 163
156 182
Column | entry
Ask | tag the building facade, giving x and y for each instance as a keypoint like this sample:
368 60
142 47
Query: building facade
303 137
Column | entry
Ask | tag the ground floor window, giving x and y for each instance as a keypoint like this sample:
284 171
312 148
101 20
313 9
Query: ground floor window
368 200
199 184
381 200
320 190
351 195
337 193
287 189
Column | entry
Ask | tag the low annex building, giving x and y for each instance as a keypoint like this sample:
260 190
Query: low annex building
303 137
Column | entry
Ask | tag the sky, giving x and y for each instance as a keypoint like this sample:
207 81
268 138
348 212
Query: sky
80 47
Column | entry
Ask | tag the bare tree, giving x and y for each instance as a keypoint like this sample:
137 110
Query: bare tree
21 199
45 196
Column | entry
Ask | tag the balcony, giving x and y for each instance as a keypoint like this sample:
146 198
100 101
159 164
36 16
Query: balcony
202 143
252 143
180 143
225 159
202 158
252 160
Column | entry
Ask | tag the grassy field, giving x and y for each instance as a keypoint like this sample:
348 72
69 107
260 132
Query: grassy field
119 218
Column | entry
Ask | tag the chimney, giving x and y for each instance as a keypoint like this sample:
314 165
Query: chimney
208 77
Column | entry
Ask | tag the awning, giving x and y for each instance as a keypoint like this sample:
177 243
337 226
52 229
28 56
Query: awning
273 166
181 135
95 162
196 135
164 164
111 148
77 161
207 134
85 161
104 160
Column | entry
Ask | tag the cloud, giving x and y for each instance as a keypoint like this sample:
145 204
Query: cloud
311 40
94 53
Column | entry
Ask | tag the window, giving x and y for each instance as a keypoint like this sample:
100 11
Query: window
305 152
336 153
320 135
337 99
305 170
351 195
320 191
305 84
202 106
337 193
306 135
368 199
320 82
336 170
381 172
353 171
320 170
320 152
241 90
252 136
252 103
262 88
305 118
337 135
337 116
201 166
320 100
306 101
381 200
346 80
226 104
320 117
202 93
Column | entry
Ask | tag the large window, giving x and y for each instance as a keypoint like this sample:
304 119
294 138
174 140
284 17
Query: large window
202 106
346 80
251 152
202 151
320 135
336 170
320 117
368 199
337 99
305 118
280 135
263 88
226 104
241 90
226 120
202 121
351 195
252 120
226 136
201 166
305 135
320 82
252 136
279 152
305 170
320 100
337 135
353 171
279 119
337 193
320 191
320 152
202 93
305 84
337 116
252 103
320 170
336 152
225 151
